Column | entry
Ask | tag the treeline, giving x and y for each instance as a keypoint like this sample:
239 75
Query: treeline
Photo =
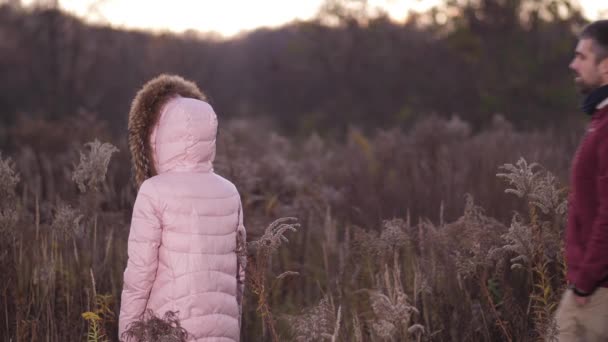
472 58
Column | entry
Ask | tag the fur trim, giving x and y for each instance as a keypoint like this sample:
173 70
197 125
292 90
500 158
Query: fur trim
144 114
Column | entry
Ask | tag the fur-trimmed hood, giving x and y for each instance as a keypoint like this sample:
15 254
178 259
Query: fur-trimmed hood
168 122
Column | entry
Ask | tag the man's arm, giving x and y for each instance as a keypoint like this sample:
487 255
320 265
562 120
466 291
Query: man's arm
595 262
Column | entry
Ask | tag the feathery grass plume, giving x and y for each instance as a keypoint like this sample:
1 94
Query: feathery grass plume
472 238
538 244
274 236
364 244
152 328
391 306
391 313
379 246
393 235
260 251
416 329
548 197
518 240
67 222
471 242
543 234
90 173
541 187
546 231
522 176
314 324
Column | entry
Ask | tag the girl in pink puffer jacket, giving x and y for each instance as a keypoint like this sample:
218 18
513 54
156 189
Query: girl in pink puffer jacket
187 221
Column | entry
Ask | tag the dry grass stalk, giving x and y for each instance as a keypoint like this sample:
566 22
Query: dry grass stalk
90 173
152 328
441 264
260 252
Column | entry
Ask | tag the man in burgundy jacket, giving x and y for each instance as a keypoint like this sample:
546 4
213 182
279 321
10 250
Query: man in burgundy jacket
582 314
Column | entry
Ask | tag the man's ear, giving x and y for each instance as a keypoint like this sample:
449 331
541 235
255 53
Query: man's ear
603 68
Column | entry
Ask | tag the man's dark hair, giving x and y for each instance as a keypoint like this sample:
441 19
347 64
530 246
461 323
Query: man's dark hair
597 31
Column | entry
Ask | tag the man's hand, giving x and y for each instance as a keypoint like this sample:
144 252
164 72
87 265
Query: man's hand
580 301
580 297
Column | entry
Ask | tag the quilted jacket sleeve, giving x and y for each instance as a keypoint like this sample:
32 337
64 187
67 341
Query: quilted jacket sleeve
241 252
144 240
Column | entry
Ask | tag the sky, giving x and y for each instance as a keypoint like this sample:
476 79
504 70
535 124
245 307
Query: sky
230 17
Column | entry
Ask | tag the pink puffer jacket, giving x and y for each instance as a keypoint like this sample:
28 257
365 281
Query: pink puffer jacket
186 220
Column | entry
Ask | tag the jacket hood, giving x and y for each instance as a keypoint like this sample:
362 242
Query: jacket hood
173 110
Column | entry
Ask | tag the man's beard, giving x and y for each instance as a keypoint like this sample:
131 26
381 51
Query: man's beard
586 88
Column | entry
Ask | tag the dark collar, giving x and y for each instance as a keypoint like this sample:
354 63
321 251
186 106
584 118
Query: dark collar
594 99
